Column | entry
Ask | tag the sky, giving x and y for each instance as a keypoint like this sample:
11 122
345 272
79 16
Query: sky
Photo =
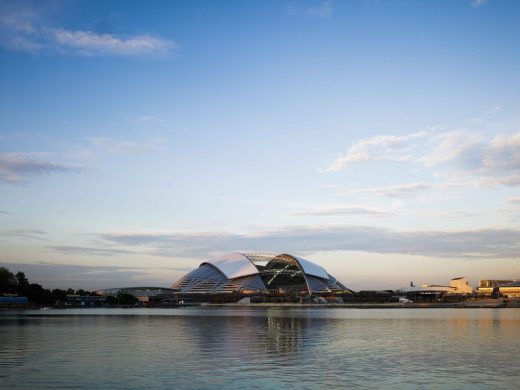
380 139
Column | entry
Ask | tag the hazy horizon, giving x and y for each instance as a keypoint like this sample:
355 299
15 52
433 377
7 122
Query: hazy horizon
378 139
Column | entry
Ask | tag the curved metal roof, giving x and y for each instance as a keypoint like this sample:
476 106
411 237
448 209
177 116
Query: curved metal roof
311 268
234 265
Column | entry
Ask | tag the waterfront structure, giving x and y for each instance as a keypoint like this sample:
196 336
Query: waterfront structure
13 301
486 286
457 286
496 288
143 294
250 273
460 286
84 300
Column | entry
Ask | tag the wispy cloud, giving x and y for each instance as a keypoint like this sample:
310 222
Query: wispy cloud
81 250
478 243
493 160
514 200
325 10
89 43
450 214
322 10
17 167
22 29
32 234
399 191
378 148
343 211
478 3
123 146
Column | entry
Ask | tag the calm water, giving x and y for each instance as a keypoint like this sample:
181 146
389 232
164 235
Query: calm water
264 348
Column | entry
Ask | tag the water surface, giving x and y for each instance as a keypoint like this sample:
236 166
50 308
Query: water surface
263 348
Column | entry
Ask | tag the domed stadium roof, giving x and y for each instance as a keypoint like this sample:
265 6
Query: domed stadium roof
258 272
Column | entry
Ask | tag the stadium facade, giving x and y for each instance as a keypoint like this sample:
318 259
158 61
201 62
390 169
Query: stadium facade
252 272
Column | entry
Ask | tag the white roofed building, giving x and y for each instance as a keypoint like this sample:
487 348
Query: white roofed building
258 272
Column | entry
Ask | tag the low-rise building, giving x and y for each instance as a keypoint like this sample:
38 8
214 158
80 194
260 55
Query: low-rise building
85 300
487 286
429 292
461 286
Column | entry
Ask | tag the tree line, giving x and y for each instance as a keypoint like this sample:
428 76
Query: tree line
18 284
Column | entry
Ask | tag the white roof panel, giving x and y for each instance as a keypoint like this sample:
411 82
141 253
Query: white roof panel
234 265
312 269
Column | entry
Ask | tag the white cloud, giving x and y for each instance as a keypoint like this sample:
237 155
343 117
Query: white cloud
17 167
494 160
452 146
378 148
91 44
22 29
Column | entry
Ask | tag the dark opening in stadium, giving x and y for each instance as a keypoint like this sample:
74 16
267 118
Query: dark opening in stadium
250 273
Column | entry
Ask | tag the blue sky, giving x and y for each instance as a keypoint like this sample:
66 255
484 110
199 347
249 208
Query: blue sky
380 139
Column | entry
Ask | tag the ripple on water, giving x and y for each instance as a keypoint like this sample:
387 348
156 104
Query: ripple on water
264 349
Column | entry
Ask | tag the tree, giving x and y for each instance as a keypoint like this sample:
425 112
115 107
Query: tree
59 295
23 283
126 299
8 282
38 294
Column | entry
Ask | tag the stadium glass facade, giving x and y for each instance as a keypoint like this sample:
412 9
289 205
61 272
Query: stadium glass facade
250 273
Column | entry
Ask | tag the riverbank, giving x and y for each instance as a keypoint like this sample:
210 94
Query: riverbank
491 303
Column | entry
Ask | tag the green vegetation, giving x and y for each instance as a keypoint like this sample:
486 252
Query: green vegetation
11 284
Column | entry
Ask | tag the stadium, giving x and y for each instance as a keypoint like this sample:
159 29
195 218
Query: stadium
254 273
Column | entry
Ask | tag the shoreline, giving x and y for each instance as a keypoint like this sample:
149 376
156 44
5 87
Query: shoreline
459 305
483 304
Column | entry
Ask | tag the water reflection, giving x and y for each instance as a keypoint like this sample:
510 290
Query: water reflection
267 348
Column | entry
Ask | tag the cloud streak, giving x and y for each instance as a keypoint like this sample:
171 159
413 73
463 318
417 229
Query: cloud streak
343 211
22 30
122 146
399 191
89 43
17 167
33 234
468 244
81 250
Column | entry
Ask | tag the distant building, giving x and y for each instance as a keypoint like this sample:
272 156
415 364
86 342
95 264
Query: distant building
143 294
428 292
461 286
85 300
509 290
11 302
497 288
